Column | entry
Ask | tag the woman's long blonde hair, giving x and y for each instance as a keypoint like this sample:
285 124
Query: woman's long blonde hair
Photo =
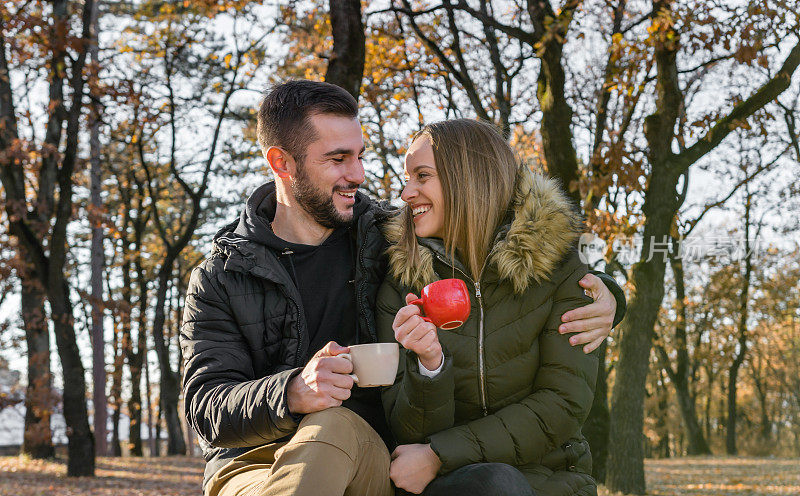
477 169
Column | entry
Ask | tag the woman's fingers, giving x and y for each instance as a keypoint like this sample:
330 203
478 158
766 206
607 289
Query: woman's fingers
416 335
403 315
422 336
402 330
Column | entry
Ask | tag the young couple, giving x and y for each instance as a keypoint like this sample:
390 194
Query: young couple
313 266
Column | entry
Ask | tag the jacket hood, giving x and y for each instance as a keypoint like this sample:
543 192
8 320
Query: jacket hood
543 230
254 222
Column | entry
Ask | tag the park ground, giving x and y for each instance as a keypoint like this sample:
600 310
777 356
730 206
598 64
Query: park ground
181 476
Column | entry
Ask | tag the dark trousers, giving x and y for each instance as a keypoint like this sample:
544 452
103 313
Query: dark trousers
483 479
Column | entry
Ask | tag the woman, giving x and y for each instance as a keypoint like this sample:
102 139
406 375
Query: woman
496 405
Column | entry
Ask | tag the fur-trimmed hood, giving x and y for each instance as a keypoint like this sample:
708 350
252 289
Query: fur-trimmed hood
544 229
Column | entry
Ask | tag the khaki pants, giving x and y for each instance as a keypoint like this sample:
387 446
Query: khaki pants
333 453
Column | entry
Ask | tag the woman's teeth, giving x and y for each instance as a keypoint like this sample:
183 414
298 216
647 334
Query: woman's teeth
420 210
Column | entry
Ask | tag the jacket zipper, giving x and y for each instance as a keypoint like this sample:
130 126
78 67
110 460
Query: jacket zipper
481 365
359 293
481 359
300 325
298 316
297 357
286 291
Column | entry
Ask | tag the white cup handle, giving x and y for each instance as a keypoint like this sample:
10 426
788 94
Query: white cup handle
350 358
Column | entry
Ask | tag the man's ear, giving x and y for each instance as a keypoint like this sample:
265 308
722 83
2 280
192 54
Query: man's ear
281 163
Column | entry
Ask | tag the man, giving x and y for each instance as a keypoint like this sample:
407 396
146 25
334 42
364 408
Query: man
287 285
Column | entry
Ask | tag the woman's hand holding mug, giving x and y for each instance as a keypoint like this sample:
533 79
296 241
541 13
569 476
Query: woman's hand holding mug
445 302
416 334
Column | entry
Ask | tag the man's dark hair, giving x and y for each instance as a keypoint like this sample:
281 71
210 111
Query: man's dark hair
284 115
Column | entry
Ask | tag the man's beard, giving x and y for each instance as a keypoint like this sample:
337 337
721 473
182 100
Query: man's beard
318 204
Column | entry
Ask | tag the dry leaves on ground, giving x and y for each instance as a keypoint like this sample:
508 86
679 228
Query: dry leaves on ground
182 476
712 476
169 476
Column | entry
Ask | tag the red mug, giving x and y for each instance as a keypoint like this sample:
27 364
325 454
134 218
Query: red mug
445 303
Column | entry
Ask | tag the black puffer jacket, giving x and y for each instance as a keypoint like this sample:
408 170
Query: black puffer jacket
244 334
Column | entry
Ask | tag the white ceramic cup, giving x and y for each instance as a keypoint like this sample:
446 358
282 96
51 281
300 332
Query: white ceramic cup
374 364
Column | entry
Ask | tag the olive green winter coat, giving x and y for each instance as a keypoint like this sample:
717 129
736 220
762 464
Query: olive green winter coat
512 389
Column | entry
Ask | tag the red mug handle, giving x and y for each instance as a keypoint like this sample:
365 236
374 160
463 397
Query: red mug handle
418 302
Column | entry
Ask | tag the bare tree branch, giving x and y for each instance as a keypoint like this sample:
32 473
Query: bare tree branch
460 74
710 206
767 93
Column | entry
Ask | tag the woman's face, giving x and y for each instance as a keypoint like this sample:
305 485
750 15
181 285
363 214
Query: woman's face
423 191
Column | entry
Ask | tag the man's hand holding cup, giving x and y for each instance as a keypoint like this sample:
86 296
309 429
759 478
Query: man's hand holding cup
323 383
416 333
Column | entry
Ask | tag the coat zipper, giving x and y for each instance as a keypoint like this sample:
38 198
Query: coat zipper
359 293
481 364
297 357
298 317
481 359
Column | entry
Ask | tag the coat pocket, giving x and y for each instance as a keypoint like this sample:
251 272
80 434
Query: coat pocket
578 456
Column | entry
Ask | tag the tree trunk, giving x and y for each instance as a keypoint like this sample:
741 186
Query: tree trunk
119 344
169 384
597 424
661 203
626 458
697 443
730 432
625 464
157 436
190 440
116 445
136 360
346 64
723 419
122 332
135 401
151 427
97 258
136 357
761 393
601 115
766 426
169 391
733 371
556 126
680 376
662 420
709 396
80 449
38 437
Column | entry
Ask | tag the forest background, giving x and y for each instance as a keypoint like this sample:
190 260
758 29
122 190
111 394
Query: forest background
127 138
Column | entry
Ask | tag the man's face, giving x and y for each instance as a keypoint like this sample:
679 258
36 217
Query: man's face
325 184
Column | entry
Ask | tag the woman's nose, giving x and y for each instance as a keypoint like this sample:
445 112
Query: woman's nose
408 193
